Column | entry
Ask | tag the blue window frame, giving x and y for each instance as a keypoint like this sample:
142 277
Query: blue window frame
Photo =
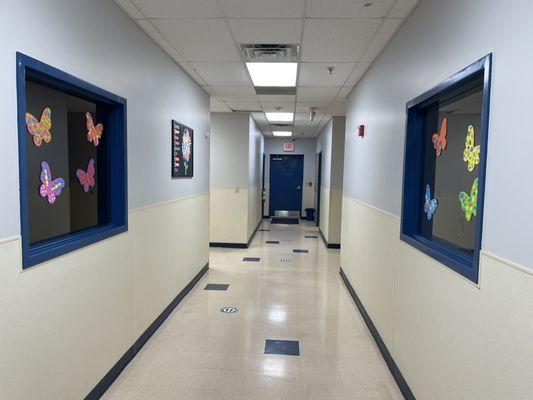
70 213
444 169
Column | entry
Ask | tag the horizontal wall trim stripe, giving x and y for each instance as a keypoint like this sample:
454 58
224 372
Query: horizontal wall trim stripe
503 260
192 196
328 245
108 379
237 245
10 239
231 187
395 371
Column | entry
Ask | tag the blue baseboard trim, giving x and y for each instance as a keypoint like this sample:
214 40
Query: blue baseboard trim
108 379
328 245
237 245
393 368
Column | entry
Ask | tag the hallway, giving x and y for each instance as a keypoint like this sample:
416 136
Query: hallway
201 353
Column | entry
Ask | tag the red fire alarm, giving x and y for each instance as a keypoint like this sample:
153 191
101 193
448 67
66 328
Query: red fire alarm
361 131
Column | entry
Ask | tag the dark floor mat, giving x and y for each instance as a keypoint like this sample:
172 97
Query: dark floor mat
286 221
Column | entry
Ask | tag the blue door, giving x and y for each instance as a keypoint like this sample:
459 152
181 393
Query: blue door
286 182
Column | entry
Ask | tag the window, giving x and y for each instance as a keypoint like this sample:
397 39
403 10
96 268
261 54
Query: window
72 156
444 172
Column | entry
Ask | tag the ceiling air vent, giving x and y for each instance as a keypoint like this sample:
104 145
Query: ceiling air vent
270 52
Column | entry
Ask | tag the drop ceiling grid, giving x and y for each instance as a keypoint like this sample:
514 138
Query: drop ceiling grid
204 38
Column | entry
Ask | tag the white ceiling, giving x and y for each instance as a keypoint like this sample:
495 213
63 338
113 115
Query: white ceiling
203 37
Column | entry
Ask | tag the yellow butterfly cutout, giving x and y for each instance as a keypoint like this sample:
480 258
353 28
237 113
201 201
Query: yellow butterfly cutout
471 152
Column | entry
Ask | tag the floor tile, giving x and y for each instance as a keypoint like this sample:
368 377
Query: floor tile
300 251
251 259
216 286
282 347
272 242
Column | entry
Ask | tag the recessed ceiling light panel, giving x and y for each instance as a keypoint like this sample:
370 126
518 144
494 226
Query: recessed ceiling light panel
273 74
279 116
282 133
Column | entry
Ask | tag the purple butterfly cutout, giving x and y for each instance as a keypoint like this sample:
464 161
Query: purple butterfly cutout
50 188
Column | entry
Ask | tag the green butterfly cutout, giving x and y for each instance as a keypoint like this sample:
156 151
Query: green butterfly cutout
469 201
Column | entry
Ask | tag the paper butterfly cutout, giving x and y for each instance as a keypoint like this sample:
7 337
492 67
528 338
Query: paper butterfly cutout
439 139
469 202
94 133
471 152
50 188
40 130
430 205
86 178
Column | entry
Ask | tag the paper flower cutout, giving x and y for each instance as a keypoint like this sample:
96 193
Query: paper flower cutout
469 202
439 139
40 130
94 133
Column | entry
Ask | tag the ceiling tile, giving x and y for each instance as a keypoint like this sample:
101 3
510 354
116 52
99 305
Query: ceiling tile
357 73
272 107
244 105
192 73
152 31
263 8
217 105
179 8
347 8
317 74
303 117
318 105
345 92
222 74
385 33
310 93
273 98
337 40
402 8
207 40
279 31
235 93
130 9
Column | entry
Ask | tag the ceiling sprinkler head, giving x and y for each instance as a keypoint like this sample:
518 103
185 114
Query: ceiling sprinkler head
367 4
312 113
277 108
331 69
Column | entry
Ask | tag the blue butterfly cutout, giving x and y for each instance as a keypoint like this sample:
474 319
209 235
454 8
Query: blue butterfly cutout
430 205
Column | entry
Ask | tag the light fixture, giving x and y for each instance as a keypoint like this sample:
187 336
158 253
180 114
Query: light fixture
282 133
280 74
279 116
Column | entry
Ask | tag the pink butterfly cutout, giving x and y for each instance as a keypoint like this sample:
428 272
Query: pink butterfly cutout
50 188
40 130
86 178
94 133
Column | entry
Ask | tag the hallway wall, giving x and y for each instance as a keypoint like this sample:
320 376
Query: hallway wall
450 338
65 323
236 171
307 147
331 143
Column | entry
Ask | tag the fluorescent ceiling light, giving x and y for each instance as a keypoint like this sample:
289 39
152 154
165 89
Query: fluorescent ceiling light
279 116
282 133
273 73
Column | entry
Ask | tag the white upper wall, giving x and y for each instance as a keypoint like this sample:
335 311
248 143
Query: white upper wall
255 157
441 38
230 150
330 142
324 142
95 41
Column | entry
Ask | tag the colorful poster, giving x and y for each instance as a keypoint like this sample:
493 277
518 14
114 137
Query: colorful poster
182 150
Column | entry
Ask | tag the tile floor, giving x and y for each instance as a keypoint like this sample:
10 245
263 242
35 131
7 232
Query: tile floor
201 353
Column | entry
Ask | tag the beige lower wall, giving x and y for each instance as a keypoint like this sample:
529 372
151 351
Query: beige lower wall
330 214
234 214
65 323
254 209
450 338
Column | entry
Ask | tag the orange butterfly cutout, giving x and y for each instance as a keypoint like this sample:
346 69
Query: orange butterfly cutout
439 140
94 133
40 130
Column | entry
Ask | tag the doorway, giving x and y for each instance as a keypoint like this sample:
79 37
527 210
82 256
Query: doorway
318 180
286 181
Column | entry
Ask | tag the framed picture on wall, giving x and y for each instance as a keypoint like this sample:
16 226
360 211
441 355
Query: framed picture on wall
182 150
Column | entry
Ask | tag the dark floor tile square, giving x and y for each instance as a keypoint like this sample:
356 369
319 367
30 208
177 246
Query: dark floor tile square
300 251
264 230
311 237
251 259
272 242
217 286
284 347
